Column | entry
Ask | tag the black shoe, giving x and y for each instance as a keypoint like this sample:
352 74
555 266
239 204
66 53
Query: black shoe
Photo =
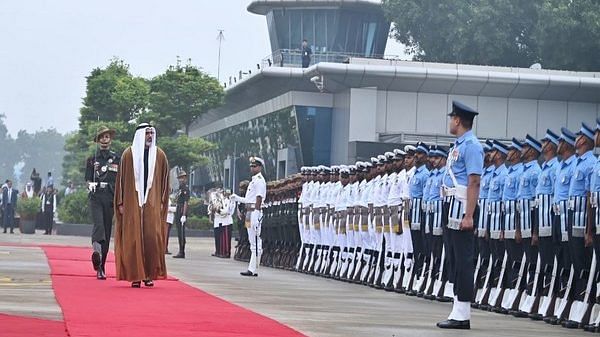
148 283
167 253
248 273
519 313
12 232
136 284
536 316
179 256
96 260
5 231
453 324
443 299
571 324
100 274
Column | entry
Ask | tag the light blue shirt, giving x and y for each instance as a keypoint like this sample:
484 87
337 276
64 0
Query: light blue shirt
563 179
497 183
595 179
417 182
486 179
465 158
529 180
436 183
580 183
547 177
511 185
429 185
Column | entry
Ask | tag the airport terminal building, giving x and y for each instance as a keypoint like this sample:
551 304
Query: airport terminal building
352 103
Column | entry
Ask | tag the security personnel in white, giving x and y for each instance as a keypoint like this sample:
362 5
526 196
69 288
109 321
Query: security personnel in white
542 226
254 198
461 182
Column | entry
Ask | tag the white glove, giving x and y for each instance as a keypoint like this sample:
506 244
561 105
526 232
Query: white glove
92 187
183 219
408 263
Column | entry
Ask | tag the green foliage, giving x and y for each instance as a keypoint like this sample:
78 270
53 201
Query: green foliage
184 151
181 95
171 101
199 222
73 208
114 94
42 150
28 207
500 32
568 34
196 207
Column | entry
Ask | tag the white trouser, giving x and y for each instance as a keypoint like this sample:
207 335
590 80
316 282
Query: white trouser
255 249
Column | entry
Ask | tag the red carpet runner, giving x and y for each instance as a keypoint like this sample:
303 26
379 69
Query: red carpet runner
18 326
171 308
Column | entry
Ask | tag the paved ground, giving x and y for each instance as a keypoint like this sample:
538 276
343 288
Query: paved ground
312 305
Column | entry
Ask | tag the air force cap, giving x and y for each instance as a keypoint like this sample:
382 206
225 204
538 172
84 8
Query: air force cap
515 144
500 147
551 136
421 147
461 110
533 143
567 136
586 131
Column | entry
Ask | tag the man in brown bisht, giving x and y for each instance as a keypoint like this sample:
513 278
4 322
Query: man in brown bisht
142 200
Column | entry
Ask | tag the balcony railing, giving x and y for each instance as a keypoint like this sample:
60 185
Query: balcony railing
293 58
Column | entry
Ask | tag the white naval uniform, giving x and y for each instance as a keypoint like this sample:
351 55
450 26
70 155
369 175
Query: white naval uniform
256 188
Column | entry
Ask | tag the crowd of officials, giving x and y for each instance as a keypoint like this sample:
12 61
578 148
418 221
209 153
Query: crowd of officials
47 195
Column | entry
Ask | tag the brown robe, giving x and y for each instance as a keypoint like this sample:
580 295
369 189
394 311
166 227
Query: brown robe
140 245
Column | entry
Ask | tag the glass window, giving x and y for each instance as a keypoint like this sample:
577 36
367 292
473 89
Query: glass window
321 31
308 26
262 136
314 126
295 28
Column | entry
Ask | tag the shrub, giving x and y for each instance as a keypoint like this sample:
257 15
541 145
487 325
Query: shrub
196 207
74 208
28 208
197 222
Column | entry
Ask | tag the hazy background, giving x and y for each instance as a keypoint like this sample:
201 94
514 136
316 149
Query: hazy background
48 47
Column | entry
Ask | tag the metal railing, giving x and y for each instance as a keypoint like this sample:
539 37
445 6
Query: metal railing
293 58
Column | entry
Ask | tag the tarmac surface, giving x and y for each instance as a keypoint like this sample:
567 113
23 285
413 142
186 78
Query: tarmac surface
312 305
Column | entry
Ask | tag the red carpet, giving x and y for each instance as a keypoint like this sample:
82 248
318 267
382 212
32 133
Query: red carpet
17 326
172 308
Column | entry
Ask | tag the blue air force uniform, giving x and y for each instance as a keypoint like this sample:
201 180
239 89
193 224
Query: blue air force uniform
465 158
578 203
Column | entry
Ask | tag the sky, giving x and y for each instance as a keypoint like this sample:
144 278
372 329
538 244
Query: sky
48 47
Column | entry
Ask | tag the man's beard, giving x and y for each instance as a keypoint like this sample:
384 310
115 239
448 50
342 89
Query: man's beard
104 146
148 143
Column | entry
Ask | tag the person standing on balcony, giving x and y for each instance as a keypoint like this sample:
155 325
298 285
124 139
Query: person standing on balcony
306 54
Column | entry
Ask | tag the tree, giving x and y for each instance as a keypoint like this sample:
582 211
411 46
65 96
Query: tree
514 33
181 95
184 151
113 98
568 34
118 100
